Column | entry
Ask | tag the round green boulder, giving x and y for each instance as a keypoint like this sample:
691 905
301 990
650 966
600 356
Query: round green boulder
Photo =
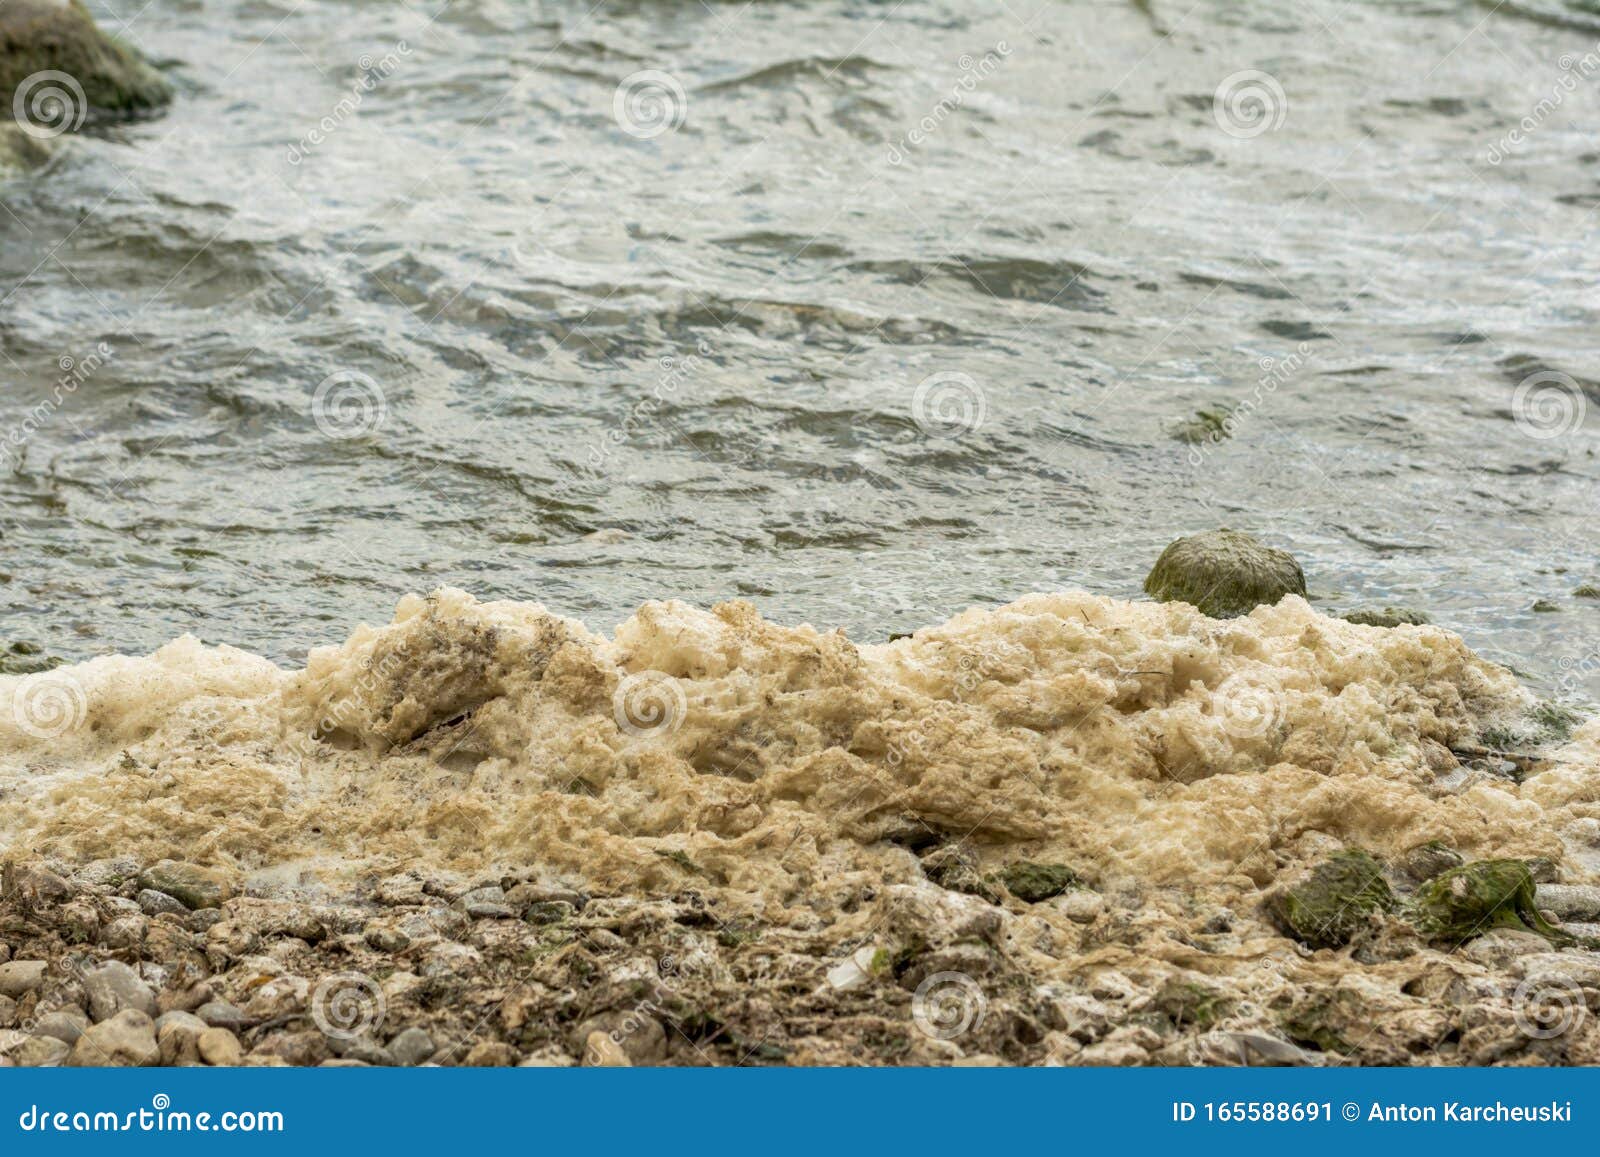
1224 573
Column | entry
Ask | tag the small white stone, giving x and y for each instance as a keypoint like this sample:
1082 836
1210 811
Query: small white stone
855 972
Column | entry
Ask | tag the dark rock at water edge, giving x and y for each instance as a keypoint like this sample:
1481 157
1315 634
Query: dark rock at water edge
43 37
1224 573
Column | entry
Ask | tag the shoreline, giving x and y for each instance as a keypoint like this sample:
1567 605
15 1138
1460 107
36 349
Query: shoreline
1061 831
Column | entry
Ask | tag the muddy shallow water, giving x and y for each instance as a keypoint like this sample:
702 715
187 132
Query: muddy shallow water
877 312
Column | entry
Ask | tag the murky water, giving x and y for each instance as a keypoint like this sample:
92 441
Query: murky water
865 312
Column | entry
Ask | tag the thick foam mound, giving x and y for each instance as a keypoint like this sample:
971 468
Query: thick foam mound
1084 811
1130 740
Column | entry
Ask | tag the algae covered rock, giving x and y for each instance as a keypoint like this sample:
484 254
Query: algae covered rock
1332 903
1031 882
1468 901
1210 424
1386 617
191 885
57 67
1224 573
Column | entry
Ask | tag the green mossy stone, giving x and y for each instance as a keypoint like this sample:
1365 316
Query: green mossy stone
1224 573
1327 909
60 36
191 885
23 658
1586 591
1468 901
1386 617
1207 425
1031 882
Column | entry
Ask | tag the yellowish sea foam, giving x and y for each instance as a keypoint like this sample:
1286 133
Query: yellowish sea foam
1137 742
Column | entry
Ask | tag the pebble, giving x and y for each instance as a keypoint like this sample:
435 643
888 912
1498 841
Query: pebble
362 1050
38 887
383 938
1571 901
192 885
154 903
66 1024
490 1054
112 987
522 895
41 1052
297 1048
178 1036
853 973
411 1046
107 873
8 1012
127 1039
218 1046
21 977
1577 968
124 932
640 1036
221 1014
1080 905
600 1051
548 912
486 903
